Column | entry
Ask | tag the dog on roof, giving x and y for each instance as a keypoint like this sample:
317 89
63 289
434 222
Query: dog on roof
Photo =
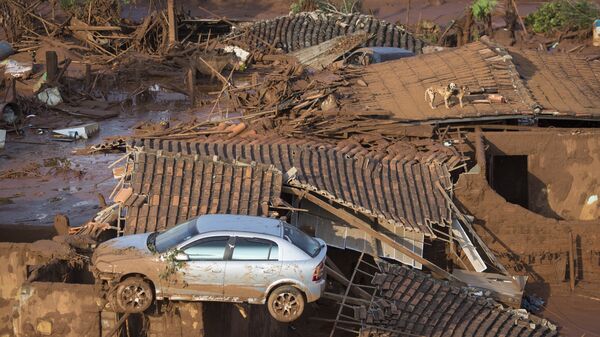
446 92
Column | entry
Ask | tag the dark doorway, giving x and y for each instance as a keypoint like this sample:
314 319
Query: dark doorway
509 178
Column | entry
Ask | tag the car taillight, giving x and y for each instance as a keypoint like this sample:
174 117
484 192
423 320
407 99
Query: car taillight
318 273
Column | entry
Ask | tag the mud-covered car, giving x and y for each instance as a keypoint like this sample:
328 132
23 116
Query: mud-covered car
215 258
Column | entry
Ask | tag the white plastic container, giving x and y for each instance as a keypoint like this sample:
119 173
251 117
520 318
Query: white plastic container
596 38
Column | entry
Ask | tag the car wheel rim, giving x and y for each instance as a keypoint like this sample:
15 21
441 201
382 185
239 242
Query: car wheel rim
134 297
286 305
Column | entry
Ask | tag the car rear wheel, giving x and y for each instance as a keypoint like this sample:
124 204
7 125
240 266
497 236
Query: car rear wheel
133 295
286 303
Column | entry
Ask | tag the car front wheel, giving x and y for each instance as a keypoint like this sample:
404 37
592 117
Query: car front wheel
133 295
286 303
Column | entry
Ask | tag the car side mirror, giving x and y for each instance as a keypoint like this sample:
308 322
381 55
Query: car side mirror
182 257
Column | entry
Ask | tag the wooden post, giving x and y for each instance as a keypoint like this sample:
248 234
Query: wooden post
408 13
525 34
480 150
571 262
51 65
172 23
61 224
88 76
191 82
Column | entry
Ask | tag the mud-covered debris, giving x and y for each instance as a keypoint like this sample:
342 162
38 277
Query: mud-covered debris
50 96
2 139
79 132
16 69
5 50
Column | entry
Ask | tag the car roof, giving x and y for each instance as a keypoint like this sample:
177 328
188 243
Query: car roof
239 223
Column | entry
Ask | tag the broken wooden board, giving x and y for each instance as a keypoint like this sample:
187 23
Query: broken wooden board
323 54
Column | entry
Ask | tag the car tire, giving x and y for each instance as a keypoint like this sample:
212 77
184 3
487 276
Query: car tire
286 303
133 295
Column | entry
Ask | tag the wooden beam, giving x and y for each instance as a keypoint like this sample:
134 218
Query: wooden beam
354 221
351 300
480 150
467 224
172 23
51 66
191 83
571 262
343 280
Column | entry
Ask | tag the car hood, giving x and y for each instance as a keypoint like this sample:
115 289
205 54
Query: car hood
123 248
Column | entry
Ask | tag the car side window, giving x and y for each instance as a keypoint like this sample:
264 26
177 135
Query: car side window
208 248
252 249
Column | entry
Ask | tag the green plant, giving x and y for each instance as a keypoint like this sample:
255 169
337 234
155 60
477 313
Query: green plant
563 15
482 9
172 264
305 6
327 6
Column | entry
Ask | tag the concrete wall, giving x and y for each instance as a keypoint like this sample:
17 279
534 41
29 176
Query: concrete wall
564 170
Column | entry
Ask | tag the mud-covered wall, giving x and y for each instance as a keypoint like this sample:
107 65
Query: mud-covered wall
564 170
526 242
57 309
226 320
184 319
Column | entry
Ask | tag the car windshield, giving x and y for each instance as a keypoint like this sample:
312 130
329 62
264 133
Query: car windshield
301 240
172 237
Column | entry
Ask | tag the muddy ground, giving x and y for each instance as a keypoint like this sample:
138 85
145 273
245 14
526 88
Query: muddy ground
52 179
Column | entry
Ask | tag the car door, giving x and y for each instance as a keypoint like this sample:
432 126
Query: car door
253 266
202 275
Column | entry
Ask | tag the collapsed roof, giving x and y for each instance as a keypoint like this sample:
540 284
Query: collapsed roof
401 192
307 29
167 189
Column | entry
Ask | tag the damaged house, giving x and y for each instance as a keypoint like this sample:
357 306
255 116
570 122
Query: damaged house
436 218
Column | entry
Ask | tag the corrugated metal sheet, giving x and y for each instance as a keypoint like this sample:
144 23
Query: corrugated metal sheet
400 192
561 82
398 87
169 189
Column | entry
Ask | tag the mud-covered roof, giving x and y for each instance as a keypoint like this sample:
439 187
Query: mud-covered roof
401 191
562 83
171 188
398 87
305 29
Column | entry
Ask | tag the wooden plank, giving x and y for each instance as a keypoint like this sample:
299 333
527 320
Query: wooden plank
467 223
358 223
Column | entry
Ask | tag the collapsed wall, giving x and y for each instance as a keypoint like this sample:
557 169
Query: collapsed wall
307 29
528 243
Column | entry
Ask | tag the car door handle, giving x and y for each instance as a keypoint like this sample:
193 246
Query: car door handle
216 271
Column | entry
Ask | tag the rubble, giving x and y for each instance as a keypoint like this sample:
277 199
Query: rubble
309 118
78 132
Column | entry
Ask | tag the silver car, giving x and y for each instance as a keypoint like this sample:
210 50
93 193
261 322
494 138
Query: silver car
215 258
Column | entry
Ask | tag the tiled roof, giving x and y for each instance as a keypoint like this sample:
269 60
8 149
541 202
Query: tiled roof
398 191
561 83
416 304
398 87
297 31
170 188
